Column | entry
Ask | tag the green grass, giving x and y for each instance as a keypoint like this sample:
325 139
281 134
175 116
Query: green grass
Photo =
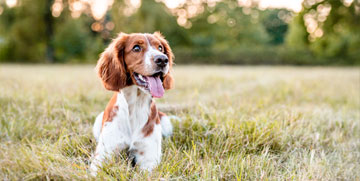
250 123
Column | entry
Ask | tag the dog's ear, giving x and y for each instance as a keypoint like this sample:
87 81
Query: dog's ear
111 66
168 78
168 81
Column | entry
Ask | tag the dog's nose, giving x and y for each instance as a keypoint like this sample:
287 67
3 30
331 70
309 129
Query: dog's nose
161 60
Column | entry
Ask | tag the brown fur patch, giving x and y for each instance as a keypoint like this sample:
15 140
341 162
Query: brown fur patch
152 120
161 114
168 81
135 60
138 92
111 65
110 110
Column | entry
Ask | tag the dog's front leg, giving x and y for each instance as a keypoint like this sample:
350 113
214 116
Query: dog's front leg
114 135
147 150
110 140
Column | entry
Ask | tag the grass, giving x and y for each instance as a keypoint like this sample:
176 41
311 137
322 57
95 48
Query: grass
250 123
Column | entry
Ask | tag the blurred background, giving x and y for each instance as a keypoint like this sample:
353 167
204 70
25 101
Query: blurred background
298 32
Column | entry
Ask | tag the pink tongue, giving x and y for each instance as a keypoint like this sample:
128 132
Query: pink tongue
156 87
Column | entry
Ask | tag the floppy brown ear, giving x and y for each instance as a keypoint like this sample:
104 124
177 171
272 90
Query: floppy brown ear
111 65
168 81
168 78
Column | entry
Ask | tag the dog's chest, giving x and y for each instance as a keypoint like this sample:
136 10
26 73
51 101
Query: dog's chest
138 106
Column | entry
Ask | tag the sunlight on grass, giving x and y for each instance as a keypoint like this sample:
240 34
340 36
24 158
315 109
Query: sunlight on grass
247 123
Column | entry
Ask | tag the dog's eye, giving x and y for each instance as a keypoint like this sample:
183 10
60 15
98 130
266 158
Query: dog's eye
160 48
136 48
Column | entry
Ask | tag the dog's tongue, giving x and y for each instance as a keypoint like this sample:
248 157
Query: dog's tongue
156 87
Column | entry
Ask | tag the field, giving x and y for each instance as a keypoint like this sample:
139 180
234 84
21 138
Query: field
250 123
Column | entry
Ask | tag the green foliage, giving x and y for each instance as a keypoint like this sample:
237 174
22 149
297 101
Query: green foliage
73 42
275 26
340 40
223 34
297 38
26 39
23 32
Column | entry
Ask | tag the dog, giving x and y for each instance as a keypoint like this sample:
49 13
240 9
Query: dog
138 68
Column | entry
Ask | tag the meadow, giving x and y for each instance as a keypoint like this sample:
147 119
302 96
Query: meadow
237 123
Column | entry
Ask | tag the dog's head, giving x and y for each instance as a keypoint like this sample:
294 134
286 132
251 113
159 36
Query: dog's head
141 59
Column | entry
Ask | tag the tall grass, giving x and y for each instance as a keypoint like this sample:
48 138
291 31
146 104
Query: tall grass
251 123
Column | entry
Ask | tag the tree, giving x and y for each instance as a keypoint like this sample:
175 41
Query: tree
330 29
275 25
49 30
32 34
24 31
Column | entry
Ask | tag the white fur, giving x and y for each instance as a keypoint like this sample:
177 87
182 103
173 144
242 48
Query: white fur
118 128
174 118
147 150
125 131
97 126
166 126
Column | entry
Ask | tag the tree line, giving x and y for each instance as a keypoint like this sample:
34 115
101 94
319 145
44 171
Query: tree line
323 32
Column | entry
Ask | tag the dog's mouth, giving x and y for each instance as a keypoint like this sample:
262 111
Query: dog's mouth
153 83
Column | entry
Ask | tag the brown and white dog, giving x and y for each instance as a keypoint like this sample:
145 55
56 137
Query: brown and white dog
137 67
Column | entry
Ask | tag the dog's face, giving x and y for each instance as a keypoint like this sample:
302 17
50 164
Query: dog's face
141 59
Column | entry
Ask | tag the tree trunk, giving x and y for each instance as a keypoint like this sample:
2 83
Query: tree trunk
49 30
